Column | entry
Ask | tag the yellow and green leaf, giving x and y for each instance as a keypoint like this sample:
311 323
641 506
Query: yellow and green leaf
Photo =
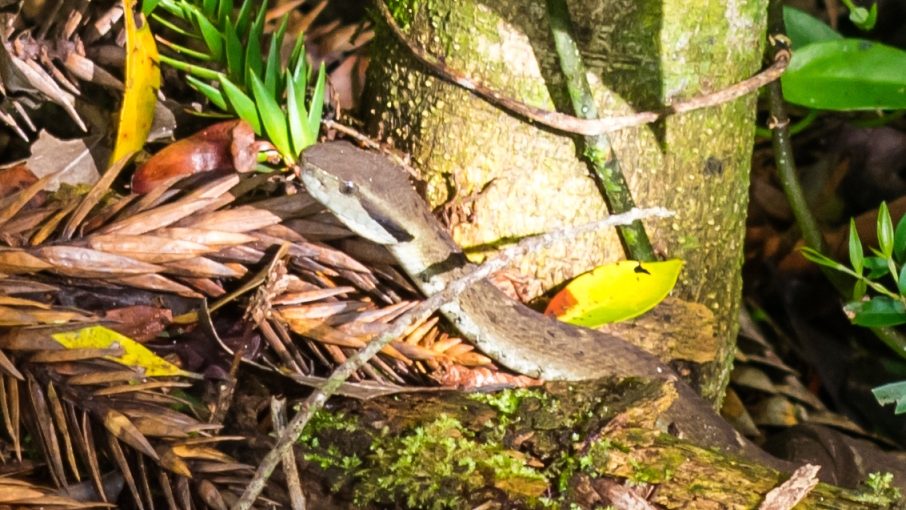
142 82
134 354
614 292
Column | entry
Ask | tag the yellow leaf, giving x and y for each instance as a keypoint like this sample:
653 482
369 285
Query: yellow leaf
134 354
142 83
614 292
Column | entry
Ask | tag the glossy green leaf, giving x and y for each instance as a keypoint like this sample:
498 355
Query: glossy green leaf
614 292
878 312
241 103
804 29
892 393
856 256
847 74
273 119
885 230
214 95
899 240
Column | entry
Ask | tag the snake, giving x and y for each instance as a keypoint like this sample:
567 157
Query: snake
373 197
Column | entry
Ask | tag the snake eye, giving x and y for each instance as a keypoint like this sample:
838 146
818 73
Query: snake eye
347 187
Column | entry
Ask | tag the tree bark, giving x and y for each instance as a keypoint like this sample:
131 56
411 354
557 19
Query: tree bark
561 446
502 178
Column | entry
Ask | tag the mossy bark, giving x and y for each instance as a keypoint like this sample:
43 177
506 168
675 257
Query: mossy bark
554 447
503 178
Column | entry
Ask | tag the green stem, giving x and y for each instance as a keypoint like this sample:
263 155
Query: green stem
789 180
598 149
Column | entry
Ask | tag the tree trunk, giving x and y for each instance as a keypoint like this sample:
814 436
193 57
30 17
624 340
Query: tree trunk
503 178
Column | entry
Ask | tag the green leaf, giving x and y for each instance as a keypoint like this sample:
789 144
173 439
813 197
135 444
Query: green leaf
200 71
877 267
885 230
253 61
235 68
209 7
804 29
133 354
213 39
273 71
188 34
296 127
241 103
273 119
863 18
244 17
892 393
901 281
856 256
317 104
148 6
297 53
212 93
224 9
821 259
859 289
847 74
602 295
879 312
899 240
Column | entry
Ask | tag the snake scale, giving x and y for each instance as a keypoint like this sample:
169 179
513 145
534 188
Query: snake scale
373 197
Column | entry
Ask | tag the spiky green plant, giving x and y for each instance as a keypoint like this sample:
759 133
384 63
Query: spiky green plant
233 75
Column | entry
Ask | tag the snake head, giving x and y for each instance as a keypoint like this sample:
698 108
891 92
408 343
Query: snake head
362 189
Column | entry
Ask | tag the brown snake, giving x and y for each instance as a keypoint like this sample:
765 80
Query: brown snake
373 197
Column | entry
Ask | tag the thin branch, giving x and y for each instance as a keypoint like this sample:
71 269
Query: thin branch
568 123
417 314
598 149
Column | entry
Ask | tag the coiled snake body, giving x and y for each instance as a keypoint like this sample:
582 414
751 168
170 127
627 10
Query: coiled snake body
373 197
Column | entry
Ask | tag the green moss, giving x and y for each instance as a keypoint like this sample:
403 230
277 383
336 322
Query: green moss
879 489
339 458
403 11
439 465
326 422
507 401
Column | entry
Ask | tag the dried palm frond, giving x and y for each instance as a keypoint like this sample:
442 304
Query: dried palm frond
43 58
91 417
